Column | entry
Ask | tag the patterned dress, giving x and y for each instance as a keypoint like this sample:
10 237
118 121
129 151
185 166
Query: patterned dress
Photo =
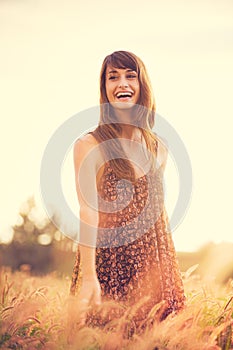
135 255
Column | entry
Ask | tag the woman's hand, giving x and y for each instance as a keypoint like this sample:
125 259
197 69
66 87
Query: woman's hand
89 296
90 291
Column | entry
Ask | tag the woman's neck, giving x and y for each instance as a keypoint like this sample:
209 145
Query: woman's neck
129 129
130 132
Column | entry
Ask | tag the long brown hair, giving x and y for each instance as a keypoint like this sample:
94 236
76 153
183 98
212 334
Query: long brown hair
109 129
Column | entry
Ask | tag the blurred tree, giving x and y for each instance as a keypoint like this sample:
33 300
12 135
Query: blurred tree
37 243
32 225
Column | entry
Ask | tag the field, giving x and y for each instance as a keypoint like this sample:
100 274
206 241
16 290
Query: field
37 313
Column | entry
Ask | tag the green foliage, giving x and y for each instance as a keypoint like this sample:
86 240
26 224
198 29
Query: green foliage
4 337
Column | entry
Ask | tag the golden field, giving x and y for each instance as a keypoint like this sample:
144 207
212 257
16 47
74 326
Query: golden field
38 313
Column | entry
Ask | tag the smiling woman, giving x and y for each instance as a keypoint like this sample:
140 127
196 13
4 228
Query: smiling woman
126 253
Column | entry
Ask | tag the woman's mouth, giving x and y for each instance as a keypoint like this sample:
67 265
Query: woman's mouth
124 96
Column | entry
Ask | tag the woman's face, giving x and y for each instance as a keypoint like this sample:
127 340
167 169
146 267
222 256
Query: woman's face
122 87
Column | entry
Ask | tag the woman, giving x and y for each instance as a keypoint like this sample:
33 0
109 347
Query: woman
126 253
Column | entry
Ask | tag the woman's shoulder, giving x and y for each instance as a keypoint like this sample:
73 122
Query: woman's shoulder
88 139
86 148
160 142
162 150
86 142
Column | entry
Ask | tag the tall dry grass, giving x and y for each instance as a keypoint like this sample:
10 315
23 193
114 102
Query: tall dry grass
37 313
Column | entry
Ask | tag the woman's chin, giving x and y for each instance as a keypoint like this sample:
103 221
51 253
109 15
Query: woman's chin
123 105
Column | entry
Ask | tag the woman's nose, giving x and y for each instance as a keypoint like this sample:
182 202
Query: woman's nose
123 83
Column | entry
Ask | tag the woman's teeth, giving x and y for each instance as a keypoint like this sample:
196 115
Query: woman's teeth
124 94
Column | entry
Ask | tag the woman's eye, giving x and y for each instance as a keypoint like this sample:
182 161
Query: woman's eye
131 76
128 76
112 78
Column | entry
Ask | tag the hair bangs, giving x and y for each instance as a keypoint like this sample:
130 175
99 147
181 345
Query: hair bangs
122 60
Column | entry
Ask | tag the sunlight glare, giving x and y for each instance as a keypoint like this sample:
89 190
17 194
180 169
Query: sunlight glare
7 235
44 239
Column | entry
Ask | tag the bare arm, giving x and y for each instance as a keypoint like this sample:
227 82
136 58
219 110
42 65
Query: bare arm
85 165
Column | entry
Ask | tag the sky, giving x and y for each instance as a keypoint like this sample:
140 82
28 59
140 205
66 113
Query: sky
51 53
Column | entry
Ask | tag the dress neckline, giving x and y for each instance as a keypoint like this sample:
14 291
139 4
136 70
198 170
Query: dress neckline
108 169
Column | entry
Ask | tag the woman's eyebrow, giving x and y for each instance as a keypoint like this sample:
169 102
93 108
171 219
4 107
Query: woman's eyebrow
127 70
112 71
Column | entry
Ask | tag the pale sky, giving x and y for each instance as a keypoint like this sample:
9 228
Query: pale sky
51 53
